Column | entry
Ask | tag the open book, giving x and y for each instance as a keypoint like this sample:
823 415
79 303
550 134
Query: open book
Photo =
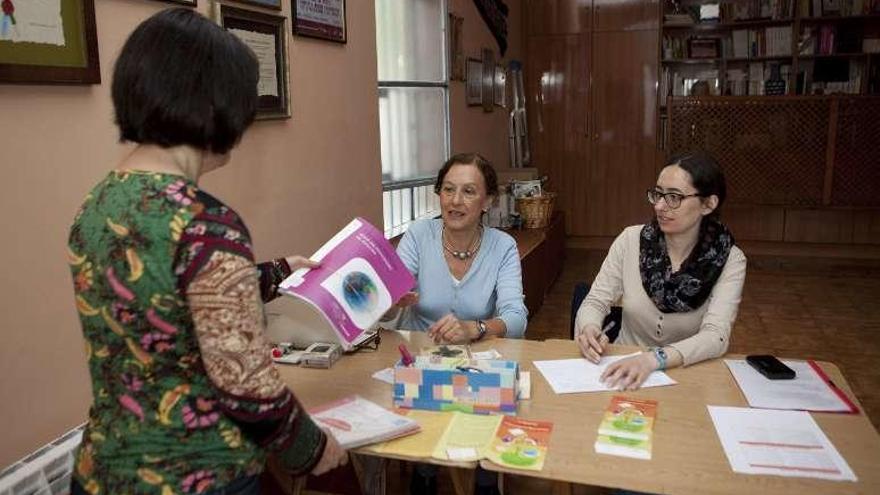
359 279
355 422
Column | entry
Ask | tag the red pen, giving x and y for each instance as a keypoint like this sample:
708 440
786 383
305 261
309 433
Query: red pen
405 357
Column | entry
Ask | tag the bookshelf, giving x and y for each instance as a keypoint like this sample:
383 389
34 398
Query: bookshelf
737 46
766 48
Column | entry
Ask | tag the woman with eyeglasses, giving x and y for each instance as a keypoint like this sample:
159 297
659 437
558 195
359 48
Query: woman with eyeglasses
679 278
469 279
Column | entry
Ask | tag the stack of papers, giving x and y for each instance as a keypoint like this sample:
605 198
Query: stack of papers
355 421
627 428
782 443
569 376
810 390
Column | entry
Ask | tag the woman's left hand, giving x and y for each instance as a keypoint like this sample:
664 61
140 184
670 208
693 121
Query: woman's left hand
629 373
451 330
296 262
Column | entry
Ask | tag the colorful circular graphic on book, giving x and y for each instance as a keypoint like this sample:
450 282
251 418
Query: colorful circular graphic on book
360 291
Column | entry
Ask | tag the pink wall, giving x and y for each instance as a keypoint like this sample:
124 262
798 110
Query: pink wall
472 129
295 182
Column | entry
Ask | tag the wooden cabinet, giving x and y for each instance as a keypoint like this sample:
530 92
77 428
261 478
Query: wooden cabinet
557 16
558 86
625 15
591 97
624 130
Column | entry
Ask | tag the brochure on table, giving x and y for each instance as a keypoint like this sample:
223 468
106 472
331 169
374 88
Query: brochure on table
781 443
359 279
355 421
810 390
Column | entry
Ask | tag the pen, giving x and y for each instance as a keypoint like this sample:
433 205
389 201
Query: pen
405 357
609 326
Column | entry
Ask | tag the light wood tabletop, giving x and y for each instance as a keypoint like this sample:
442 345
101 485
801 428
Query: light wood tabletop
687 454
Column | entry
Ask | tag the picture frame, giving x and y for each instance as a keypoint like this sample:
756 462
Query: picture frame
322 19
266 35
186 3
266 4
39 49
500 86
704 48
474 84
456 52
488 80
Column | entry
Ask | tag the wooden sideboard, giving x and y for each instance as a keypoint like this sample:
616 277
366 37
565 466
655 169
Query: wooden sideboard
541 253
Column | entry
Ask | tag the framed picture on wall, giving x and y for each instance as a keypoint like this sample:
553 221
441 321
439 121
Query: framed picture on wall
488 80
57 45
500 85
474 85
265 35
190 3
269 4
323 19
456 52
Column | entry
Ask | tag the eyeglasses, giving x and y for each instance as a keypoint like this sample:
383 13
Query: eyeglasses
468 193
673 200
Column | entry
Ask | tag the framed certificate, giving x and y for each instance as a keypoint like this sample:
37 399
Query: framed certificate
265 35
49 42
323 19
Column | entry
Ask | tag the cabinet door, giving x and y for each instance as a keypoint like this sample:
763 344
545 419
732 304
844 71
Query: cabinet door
619 15
558 16
557 81
624 125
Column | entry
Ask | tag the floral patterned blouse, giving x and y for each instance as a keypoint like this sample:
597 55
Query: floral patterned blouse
185 396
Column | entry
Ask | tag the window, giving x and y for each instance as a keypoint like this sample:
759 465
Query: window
413 107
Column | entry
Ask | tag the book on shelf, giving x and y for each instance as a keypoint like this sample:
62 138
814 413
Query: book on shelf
740 43
359 279
355 422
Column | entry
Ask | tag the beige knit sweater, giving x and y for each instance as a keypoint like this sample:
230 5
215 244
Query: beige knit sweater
697 335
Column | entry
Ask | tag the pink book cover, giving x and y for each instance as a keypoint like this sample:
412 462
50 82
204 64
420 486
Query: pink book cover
359 279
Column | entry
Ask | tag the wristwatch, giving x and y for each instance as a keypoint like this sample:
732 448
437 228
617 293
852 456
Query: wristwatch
481 330
661 357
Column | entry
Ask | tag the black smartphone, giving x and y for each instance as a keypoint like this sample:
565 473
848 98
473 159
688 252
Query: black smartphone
770 367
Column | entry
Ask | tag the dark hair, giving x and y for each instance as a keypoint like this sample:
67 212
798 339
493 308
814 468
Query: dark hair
477 160
181 79
706 176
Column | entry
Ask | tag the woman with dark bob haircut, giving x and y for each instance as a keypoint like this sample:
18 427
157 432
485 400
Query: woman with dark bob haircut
185 396
679 277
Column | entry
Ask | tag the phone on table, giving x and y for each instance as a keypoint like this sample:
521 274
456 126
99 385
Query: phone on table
770 367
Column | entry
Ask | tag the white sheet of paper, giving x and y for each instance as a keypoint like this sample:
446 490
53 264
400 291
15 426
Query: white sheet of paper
569 376
264 48
807 391
386 375
782 443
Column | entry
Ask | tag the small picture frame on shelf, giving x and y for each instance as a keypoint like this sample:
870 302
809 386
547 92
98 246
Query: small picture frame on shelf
703 48
474 83
265 35
322 19
267 4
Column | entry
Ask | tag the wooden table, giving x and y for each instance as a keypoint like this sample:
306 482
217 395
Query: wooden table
687 454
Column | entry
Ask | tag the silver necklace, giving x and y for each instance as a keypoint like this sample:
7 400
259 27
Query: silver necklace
472 249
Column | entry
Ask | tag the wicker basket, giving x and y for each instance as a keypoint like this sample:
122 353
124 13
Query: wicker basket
536 211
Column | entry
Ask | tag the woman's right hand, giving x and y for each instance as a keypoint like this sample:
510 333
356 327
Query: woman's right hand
591 341
333 457
409 299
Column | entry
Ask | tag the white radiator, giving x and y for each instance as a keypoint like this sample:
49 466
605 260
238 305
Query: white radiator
46 471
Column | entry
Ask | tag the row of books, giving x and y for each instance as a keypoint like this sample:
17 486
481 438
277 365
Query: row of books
825 8
756 80
766 42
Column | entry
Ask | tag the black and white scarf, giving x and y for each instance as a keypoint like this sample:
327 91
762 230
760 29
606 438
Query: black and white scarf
689 287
